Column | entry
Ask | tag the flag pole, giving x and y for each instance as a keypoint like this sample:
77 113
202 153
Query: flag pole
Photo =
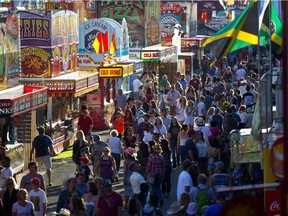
284 185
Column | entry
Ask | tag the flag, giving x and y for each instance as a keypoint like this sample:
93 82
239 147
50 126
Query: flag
98 43
275 27
240 33
106 42
113 44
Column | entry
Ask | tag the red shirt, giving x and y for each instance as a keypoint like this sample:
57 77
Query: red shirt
108 204
195 83
119 125
85 124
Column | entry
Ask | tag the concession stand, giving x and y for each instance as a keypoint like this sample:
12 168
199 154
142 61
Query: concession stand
103 43
49 57
21 111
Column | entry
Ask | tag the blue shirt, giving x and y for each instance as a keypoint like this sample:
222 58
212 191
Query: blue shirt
183 83
214 210
81 188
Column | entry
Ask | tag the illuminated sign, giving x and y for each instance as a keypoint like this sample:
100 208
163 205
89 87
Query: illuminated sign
115 72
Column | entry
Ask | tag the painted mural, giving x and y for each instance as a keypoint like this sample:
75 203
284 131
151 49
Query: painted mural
152 23
173 13
9 50
56 33
132 11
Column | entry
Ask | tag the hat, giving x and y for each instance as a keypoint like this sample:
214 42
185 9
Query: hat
68 178
96 138
41 129
157 148
84 160
130 151
200 121
243 82
35 181
141 113
186 163
217 109
192 208
165 76
64 212
220 165
249 110
226 104
146 115
107 182
174 208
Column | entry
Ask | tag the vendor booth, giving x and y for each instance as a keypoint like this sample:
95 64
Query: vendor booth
65 94
21 111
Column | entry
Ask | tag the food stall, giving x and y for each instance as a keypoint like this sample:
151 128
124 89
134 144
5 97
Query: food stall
21 111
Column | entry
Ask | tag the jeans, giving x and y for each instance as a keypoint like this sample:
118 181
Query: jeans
183 153
156 187
166 182
175 156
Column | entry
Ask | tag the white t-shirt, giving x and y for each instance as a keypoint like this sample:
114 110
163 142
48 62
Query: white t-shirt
241 73
38 198
4 173
184 180
115 145
136 84
147 137
162 130
201 108
22 210
136 180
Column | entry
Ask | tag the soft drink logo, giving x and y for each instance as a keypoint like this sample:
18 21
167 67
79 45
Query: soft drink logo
275 206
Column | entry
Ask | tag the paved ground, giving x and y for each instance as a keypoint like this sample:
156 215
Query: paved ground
63 167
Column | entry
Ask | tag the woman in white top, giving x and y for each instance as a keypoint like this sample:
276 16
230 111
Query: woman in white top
116 148
160 128
210 113
91 198
201 146
243 116
180 108
181 142
23 207
189 113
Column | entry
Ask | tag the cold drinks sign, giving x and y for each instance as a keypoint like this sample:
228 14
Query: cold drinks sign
113 72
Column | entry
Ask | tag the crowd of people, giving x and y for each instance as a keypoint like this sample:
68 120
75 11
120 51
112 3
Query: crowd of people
177 123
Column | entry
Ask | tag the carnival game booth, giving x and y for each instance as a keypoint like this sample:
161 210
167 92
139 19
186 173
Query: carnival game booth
21 111
65 95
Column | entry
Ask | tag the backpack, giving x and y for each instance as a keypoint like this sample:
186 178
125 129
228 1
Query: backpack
202 199
41 147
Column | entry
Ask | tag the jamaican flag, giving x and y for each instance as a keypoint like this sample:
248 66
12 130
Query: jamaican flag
240 33
275 29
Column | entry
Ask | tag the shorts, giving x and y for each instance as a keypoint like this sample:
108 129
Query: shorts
46 160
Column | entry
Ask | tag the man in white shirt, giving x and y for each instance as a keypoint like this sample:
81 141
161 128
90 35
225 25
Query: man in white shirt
185 182
201 107
136 179
6 171
136 84
241 72
38 197
172 97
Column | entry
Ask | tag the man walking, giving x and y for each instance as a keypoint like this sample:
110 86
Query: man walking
42 145
26 179
38 197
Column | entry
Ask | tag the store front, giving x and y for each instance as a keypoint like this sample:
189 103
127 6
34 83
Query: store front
66 93
21 111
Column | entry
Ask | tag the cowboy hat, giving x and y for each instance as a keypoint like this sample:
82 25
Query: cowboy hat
200 121
174 208
68 178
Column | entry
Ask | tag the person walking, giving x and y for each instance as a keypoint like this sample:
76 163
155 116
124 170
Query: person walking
79 144
33 173
185 182
6 171
166 182
96 151
9 195
85 124
38 197
23 206
42 146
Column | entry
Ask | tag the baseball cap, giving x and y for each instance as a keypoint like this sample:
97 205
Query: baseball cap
107 182
35 181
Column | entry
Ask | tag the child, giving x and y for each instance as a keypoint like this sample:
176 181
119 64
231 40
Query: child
238 175
119 124
84 168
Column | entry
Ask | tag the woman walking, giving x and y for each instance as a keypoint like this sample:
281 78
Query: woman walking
173 132
181 142
166 183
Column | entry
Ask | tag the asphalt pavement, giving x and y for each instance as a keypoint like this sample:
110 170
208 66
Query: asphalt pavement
63 167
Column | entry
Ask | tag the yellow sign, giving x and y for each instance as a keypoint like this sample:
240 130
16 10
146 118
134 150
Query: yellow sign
128 69
112 72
